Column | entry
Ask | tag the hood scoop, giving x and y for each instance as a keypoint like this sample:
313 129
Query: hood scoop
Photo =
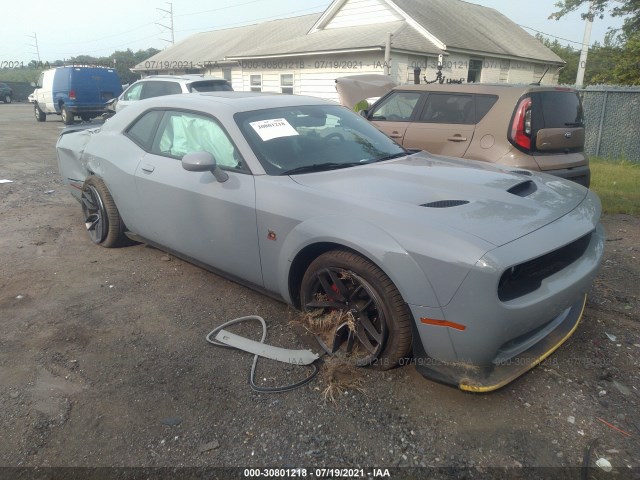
526 173
523 189
445 204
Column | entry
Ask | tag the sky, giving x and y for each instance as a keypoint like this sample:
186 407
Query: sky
67 28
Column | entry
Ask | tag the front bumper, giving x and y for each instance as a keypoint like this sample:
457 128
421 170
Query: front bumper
481 340
482 379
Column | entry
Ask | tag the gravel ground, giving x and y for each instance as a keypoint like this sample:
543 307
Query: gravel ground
104 363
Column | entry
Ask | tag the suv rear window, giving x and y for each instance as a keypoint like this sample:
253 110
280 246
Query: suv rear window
559 110
209 86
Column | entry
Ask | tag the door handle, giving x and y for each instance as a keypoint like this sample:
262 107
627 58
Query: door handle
457 138
148 168
395 135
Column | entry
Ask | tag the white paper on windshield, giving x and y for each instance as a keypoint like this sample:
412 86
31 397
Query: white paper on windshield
6 181
275 128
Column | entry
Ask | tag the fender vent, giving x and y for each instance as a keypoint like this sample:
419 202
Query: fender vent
445 203
523 189
526 173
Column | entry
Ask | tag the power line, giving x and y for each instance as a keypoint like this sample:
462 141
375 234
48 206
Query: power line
251 22
552 36
221 8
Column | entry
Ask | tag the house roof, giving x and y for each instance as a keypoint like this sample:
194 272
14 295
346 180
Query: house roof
457 24
467 26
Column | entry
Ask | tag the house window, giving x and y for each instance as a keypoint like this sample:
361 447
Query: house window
475 69
256 83
226 74
286 83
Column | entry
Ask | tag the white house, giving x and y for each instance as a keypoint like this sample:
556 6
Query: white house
304 55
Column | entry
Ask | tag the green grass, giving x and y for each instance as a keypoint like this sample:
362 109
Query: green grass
617 183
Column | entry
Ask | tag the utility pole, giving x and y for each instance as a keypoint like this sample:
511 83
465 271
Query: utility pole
35 38
170 12
582 66
387 55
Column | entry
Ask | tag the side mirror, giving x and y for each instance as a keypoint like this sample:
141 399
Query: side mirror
203 162
364 113
33 84
112 101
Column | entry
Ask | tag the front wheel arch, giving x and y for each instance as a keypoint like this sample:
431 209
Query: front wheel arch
378 329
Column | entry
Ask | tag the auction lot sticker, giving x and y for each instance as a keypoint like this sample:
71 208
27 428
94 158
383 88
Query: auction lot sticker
276 128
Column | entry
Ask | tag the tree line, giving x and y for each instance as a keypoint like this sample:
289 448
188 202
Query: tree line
617 61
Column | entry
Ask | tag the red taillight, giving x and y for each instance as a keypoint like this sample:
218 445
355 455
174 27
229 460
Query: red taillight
521 127
72 94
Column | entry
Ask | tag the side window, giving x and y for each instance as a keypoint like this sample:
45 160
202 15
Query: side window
398 107
143 130
159 89
133 93
484 103
184 132
448 108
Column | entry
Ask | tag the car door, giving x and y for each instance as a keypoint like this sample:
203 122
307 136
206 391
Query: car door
192 213
445 126
393 114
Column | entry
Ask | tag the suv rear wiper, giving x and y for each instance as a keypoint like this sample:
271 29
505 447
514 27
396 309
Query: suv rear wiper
319 167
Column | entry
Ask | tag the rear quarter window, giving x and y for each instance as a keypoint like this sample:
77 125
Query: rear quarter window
143 130
484 103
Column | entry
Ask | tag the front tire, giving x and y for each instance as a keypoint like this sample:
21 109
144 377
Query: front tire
67 116
379 321
101 216
7 99
40 115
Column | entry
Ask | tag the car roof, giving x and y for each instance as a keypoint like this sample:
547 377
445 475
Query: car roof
187 78
219 104
489 88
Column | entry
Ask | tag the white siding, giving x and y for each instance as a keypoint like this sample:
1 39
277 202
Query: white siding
363 12
521 72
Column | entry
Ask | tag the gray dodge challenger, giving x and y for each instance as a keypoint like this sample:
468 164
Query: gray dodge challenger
473 272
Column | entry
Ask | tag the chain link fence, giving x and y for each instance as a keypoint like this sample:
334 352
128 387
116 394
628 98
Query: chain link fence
612 117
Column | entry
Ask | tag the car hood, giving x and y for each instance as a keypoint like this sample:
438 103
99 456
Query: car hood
493 203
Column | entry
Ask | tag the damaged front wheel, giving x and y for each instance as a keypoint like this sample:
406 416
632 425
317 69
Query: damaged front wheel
356 310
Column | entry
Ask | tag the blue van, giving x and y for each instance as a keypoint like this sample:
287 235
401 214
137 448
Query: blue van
75 90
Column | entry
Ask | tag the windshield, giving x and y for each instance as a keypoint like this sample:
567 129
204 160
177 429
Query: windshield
301 139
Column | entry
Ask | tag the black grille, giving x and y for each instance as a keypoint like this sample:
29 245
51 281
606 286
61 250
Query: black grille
445 203
527 277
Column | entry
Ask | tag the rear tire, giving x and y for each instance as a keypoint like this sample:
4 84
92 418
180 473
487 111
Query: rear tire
101 216
380 321
40 115
85 117
67 116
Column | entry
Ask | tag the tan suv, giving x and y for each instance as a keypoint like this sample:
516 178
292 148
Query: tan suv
523 126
